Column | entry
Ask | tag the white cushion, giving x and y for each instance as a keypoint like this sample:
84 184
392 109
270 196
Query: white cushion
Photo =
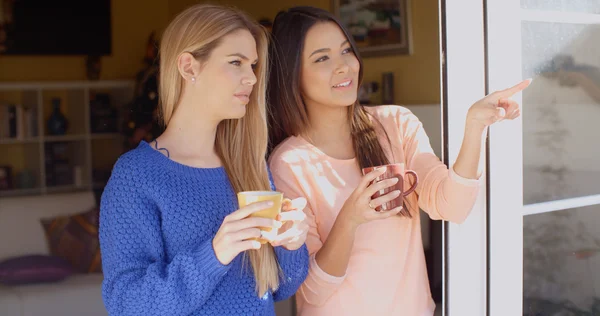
10 303
21 232
77 295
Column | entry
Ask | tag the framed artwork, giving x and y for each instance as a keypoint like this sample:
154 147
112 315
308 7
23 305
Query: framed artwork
379 27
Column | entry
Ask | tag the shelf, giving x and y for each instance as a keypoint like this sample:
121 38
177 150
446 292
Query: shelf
90 145
106 136
64 138
67 188
68 85
11 141
20 192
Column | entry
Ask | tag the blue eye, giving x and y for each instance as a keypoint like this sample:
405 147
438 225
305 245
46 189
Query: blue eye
236 62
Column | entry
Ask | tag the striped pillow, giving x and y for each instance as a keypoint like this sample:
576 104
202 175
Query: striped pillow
75 239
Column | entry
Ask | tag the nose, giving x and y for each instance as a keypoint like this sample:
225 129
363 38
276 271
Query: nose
342 67
249 79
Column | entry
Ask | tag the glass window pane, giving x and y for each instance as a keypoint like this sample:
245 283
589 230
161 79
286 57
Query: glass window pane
586 6
561 111
561 262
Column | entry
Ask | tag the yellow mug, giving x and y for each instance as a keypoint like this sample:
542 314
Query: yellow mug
249 197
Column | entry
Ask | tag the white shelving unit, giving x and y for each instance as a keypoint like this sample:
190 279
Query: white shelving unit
86 151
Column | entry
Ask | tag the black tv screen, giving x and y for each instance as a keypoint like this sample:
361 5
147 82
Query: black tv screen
55 27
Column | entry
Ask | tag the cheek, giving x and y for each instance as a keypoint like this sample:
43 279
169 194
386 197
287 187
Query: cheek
316 81
354 64
227 78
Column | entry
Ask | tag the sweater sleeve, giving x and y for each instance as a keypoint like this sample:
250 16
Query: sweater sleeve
138 279
443 194
293 263
294 266
318 285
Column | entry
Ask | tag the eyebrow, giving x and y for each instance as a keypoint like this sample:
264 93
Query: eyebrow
242 56
321 50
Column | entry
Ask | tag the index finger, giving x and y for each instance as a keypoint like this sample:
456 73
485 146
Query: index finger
369 177
295 204
249 209
296 215
507 93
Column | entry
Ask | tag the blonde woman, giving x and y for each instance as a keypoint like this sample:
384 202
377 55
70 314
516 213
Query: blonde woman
171 238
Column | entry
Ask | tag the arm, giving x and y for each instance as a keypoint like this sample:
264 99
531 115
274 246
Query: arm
294 266
446 194
319 285
138 280
293 263
467 164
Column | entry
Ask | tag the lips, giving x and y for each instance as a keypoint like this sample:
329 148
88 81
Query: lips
343 84
243 96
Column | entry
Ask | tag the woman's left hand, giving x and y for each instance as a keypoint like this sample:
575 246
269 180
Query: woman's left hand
292 234
495 107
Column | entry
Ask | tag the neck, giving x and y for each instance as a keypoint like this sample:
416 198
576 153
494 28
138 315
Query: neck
328 124
190 133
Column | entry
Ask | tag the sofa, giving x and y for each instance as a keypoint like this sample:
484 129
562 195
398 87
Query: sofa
22 234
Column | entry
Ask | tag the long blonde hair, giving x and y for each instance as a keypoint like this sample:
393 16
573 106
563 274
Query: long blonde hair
198 30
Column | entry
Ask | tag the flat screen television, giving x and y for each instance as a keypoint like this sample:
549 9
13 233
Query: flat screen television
55 27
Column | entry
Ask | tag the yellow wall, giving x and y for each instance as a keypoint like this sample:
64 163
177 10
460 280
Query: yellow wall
416 77
132 23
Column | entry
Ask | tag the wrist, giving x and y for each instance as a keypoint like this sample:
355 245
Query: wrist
345 223
475 129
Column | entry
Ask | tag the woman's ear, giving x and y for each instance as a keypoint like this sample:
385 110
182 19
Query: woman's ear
188 66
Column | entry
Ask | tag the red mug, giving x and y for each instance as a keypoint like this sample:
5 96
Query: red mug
393 170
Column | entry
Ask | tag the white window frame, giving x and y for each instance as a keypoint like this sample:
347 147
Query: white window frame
481 53
463 82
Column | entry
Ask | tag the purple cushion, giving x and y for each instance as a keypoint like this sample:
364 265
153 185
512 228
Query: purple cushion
34 269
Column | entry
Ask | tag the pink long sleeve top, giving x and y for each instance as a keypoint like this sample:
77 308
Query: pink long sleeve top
386 273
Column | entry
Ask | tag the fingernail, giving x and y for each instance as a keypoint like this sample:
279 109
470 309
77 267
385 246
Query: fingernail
501 112
396 180
277 224
255 244
270 203
398 192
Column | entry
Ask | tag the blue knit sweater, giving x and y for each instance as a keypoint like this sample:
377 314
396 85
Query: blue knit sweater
157 222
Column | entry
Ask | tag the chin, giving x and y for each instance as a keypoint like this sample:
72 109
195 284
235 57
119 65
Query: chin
238 112
344 101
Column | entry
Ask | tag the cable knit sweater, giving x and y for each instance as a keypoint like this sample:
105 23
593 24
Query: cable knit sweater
157 222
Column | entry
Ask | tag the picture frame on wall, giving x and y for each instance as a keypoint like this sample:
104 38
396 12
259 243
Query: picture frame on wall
379 27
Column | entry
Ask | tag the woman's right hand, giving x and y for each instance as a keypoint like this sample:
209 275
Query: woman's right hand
359 208
236 230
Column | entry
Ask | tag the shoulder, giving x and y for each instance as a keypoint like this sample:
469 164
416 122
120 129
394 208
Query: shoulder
394 118
132 162
390 113
134 170
293 150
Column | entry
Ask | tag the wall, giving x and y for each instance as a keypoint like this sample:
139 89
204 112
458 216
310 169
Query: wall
132 23
416 77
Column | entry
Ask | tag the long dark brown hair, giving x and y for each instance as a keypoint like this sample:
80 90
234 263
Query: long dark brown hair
288 113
